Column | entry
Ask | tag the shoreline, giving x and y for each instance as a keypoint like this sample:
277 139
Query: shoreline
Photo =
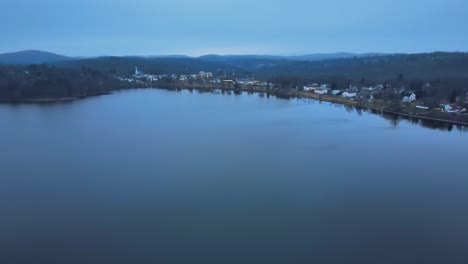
52 100
422 115
384 110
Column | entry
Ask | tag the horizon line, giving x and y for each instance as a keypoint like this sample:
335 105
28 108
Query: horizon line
234 54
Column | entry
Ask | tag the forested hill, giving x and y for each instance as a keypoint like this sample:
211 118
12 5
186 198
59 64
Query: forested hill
379 68
427 67
22 83
159 65
31 57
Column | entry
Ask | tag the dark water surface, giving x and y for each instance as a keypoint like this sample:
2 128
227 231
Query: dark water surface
152 176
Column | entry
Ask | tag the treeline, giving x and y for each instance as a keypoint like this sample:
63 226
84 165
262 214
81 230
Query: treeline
18 83
432 75
428 67
446 73
126 65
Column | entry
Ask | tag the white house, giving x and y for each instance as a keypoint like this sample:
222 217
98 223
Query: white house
308 88
349 95
204 75
409 99
453 109
321 91
336 92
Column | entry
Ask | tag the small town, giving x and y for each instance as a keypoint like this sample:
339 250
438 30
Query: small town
384 97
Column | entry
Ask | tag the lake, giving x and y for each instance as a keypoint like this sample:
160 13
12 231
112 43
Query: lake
156 176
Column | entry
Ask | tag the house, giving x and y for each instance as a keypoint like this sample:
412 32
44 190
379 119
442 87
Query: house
349 95
452 108
409 99
321 91
311 87
205 75
336 92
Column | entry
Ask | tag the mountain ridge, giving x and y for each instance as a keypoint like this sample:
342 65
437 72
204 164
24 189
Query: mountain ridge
31 57
38 57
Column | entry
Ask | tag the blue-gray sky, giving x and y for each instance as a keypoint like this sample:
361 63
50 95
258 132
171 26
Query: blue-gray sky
195 27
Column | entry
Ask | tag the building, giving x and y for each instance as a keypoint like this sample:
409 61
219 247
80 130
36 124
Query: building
137 72
321 91
336 92
311 87
205 75
452 108
349 95
409 99
422 107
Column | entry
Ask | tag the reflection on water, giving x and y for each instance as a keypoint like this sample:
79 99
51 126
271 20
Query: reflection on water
152 176
395 119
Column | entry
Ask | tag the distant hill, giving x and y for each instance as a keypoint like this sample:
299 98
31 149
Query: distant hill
308 57
39 57
31 57
330 56
154 65
221 58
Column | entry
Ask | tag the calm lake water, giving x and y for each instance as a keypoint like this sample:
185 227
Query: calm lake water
153 176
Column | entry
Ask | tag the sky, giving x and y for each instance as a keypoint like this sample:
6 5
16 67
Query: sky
198 27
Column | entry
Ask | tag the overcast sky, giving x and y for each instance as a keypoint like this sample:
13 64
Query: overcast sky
195 27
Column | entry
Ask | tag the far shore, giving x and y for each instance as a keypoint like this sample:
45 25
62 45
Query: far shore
377 105
54 99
